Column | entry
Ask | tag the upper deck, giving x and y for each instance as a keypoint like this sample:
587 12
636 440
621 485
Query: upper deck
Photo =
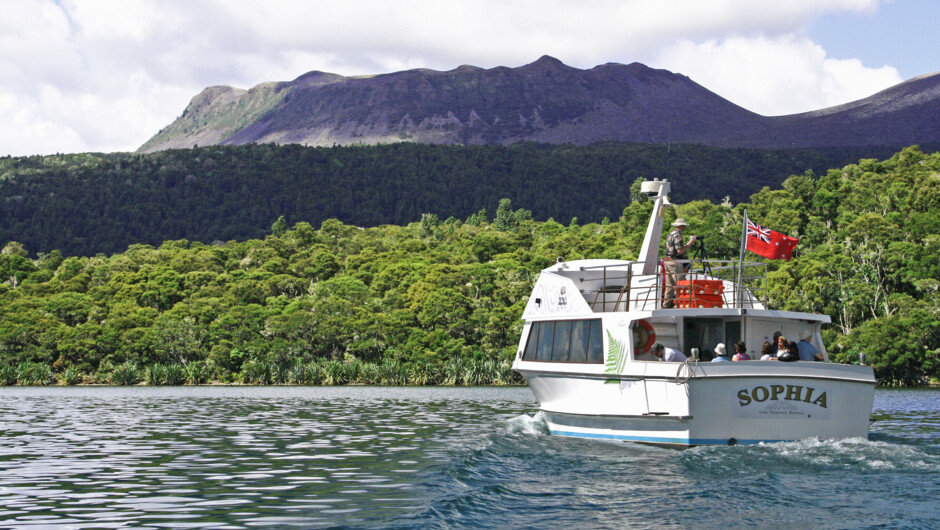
604 286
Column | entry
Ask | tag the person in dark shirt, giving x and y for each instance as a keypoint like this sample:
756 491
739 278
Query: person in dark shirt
790 355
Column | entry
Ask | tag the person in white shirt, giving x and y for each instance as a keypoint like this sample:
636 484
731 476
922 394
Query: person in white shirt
767 352
669 355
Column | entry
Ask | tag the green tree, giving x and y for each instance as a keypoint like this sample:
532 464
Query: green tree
429 222
477 219
505 218
279 227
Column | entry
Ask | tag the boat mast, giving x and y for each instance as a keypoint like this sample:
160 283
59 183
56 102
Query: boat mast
739 288
658 190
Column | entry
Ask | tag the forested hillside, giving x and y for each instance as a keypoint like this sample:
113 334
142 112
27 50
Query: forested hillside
85 204
439 301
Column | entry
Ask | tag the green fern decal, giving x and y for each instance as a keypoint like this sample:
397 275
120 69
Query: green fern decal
616 357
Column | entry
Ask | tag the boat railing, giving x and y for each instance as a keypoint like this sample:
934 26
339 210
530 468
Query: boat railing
612 288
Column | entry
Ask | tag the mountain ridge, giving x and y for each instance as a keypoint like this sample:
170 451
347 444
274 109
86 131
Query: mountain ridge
544 101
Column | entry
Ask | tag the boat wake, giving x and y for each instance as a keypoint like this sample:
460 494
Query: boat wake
526 424
854 454
516 474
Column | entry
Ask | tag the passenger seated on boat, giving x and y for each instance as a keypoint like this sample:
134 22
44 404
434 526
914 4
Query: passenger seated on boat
767 352
670 355
740 352
721 355
782 345
791 354
808 352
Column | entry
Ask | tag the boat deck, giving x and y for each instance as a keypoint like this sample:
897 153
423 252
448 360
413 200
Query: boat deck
621 286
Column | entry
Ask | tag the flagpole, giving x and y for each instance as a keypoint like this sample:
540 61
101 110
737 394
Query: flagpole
739 295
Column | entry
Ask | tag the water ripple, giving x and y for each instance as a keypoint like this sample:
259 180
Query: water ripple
233 457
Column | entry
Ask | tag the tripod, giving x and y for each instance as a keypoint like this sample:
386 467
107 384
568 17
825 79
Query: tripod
701 254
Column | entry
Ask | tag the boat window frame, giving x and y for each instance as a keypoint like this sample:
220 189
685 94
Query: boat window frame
560 352
536 350
707 351
543 350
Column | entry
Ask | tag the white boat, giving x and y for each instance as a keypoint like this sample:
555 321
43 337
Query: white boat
586 354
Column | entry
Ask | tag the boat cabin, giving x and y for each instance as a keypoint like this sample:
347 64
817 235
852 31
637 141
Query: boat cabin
570 297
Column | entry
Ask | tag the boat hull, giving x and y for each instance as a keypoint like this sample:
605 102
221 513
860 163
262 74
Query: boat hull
720 405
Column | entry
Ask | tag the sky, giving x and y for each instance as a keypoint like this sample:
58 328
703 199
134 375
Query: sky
106 75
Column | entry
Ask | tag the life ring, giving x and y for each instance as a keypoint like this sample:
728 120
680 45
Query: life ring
640 328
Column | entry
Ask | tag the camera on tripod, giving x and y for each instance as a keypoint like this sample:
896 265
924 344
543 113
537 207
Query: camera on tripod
701 255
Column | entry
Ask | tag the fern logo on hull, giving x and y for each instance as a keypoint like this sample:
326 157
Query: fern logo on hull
616 358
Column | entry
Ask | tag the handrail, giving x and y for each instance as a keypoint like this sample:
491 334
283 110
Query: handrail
645 291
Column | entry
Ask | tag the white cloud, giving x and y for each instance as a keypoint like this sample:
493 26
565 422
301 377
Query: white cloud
27 131
785 75
80 75
35 46
374 36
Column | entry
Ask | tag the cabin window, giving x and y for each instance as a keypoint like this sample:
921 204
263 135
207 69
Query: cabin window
544 349
572 341
732 333
580 337
562 343
595 350
706 333
532 343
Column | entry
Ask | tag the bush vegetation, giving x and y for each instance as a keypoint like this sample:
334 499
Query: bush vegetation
439 301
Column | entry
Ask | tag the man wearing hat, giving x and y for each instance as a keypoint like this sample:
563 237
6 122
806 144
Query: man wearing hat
808 352
675 250
721 355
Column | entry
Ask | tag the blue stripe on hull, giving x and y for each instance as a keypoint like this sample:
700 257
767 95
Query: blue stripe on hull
659 439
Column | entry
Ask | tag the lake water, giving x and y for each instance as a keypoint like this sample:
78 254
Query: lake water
240 457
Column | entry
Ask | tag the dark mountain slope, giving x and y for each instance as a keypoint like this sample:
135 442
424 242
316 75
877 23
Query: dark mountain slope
545 101
905 114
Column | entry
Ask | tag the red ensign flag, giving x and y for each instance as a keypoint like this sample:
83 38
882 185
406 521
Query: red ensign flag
769 244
